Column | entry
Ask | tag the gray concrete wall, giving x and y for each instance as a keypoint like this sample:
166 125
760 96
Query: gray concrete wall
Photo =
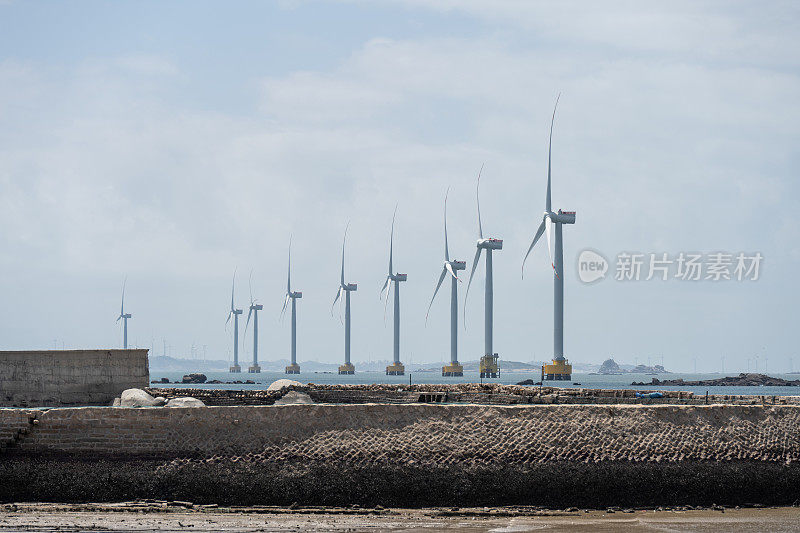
69 377
415 434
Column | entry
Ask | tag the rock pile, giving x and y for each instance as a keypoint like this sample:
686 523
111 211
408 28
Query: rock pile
742 380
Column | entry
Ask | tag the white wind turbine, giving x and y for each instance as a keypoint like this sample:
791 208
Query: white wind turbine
254 309
124 317
293 368
346 288
560 369
235 314
396 368
489 367
451 267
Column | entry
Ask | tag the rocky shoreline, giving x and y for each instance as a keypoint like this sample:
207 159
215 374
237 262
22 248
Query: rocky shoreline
742 380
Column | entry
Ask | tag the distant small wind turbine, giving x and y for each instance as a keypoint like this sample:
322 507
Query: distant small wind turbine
396 368
254 309
560 369
346 288
293 368
489 367
235 314
451 267
124 316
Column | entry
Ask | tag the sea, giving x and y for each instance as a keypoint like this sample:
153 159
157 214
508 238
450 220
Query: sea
590 381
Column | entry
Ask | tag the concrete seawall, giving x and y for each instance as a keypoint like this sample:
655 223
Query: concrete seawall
69 377
413 454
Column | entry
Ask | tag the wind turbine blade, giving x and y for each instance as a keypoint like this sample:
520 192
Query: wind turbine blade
385 284
446 247
285 303
344 240
250 312
338 294
386 304
474 266
122 307
439 284
250 282
478 198
233 288
549 151
289 275
227 321
449 268
548 224
535 240
391 241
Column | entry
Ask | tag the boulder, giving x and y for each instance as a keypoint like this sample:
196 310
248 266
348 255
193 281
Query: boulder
282 383
185 401
294 398
194 378
137 398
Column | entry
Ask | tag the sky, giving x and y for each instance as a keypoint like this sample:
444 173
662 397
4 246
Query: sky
171 143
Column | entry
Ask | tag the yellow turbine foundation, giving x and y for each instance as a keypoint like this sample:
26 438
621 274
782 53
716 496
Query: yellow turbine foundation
293 369
454 370
347 368
557 371
395 369
489 366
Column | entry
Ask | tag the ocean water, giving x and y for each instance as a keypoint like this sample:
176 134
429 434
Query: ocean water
590 381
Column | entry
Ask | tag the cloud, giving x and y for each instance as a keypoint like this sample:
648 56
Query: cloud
669 137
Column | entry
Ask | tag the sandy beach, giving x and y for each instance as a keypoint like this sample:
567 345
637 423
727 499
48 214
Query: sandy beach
163 517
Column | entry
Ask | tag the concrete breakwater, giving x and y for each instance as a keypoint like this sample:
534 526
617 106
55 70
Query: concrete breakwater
406 454
35 378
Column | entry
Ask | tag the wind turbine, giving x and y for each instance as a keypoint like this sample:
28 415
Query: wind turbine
560 369
396 368
254 309
235 314
293 368
346 288
124 316
489 367
451 267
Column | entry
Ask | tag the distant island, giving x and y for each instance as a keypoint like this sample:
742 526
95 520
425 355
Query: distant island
610 367
742 380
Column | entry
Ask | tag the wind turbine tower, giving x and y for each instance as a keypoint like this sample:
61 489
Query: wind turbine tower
254 309
454 368
489 367
293 368
396 368
124 316
560 369
235 314
346 288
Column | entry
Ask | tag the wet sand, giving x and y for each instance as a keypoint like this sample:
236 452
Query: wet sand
160 516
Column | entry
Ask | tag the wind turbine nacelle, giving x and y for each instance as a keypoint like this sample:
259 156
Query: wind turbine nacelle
257 307
298 294
351 287
491 244
401 277
458 265
564 217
